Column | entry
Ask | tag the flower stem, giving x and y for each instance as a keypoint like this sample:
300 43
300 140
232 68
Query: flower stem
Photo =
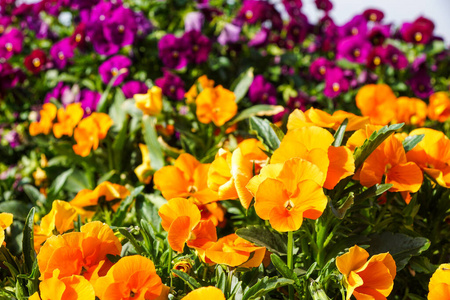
290 260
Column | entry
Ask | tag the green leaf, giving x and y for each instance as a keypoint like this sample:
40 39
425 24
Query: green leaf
422 264
264 286
341 211
377 137
411 141
285 271
29 255
262 236
151 139
19 209
119 215
257 110
317 291
373 191
190 281
147 210
101 106
58 184
132 240
116 112
339 135
401 246
265 133
77 181
241 85
34 194
119 141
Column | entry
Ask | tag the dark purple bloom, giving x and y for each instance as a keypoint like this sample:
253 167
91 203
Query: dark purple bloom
144 26
324 5
377 57
373 15
319 67
354 48
418 32
133 87
230 34
5 21
420 63
335 82
115 66
13 138
254 11
198 46
260 39
172 86
11 43
10 77
379 33
421 85
293 7
83 4
173 51
89 101
78 38
121 27
396 58
194 21
356 26
296 32
261 91
61 93
61 52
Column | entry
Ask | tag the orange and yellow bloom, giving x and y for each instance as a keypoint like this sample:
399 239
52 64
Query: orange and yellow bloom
209 292
151 103
439 286
378 102
67 119
45 124
367 279
216 105
6 220
439 107
90 131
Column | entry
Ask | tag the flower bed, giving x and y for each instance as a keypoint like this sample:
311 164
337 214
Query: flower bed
197 150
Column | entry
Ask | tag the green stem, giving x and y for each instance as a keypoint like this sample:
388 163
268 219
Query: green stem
169 267
290 260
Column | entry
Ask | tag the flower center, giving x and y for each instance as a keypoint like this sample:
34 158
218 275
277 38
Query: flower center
421 87
265 96
336 87
192 189
394 58
102 18
9 47
289 205
36 62
376 60
121 28
387 168
114 72
195 48
322 70
373 17
357 52
248 14
60 55
172 89
295 31
2 28
354 31
88 110
78 38
418 36
175 54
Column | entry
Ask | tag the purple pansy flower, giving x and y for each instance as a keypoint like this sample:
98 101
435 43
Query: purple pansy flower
173 51
421 85
373 15
61 93
198 46
230 34
293 7
144 26
262 91
354 48
335 82
121 27
260 39
419 32
296 31
396 58
172 86
376 57
194 21
61 52
379 33
10 77
324 5
5 21
319 67
356 26
133 87
11 43
115 66
89 101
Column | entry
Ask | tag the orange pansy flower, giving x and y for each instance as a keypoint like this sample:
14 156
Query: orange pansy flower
45 124
220 178
181 219
86 200
67 119
213 211
378 102
59 219
150 103
6 220
90 131
286 193
216 105
389 160
367 279
142 171
193 91
439 106
79 253
209 292
314 145
74 287
187 178
411 111
132 277
439 286
234 251
432 155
